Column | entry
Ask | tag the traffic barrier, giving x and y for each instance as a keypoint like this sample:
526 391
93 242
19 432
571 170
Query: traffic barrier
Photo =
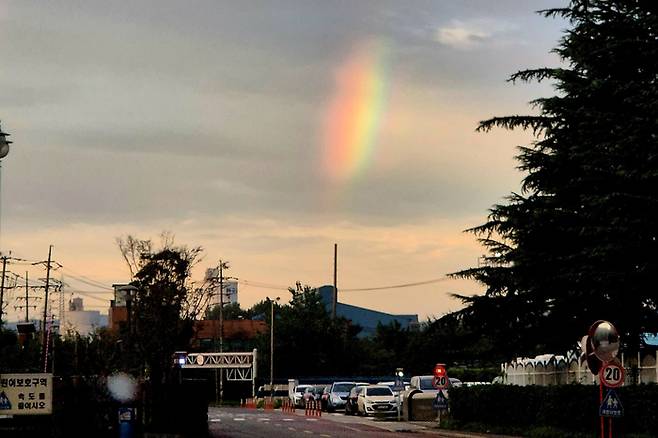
313 408
288 406
269 404
248 403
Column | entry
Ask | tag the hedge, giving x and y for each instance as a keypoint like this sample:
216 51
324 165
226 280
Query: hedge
570 408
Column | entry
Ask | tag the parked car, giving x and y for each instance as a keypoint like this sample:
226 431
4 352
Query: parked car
376 399
338 395
298 395
455 382
352 399
391 384
423 383
312 393
324 397
265 392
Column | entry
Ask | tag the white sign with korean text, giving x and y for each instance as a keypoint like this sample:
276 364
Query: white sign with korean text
26 394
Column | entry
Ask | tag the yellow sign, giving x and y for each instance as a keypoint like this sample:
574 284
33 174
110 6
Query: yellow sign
26 394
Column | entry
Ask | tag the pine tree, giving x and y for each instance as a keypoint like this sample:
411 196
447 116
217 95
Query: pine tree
578 243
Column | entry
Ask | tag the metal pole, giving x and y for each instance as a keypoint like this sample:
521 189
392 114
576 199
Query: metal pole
335 297
27 303
221 306
45 304
254 371
2 286
221 328
272 351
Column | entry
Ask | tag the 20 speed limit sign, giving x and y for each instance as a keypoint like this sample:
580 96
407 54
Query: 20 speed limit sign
612 375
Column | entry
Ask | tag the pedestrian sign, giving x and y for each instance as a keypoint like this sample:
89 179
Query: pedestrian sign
440 402
611 405
5 404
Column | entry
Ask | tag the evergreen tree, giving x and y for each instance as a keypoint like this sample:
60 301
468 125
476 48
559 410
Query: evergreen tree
578 243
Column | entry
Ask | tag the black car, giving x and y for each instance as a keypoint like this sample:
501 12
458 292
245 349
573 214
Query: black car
351 407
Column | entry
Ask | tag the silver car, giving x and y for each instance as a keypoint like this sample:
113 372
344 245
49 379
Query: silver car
338 394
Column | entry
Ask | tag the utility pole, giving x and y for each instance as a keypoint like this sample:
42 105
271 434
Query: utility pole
334 301
27 299
272 348
45 305
2 286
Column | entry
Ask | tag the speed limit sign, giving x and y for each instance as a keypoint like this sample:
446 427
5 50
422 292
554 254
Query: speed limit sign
612 375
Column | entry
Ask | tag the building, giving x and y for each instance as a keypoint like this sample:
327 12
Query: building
230 287
81 321
119 306
237 333
367 319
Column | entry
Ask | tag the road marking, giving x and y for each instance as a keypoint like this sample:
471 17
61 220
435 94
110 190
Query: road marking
287 419
264 419
215 420
238 419
307 431
325 435
292 428
310 419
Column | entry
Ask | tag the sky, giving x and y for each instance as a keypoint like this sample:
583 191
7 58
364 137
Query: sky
265 132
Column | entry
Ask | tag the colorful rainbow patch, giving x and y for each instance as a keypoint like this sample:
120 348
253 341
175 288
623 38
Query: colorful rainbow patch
355 111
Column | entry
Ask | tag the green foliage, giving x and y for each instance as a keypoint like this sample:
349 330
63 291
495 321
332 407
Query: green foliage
579 243
563 411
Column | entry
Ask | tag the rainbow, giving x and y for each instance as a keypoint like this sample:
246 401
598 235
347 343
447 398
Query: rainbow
355 111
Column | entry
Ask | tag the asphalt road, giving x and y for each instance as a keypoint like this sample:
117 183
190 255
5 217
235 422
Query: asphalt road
237 422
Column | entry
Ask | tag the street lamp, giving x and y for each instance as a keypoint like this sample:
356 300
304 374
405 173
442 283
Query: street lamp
272 346
4 150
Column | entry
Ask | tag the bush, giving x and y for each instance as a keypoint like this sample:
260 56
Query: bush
570 409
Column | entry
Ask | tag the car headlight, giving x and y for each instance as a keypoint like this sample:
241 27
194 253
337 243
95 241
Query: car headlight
368 402
335 399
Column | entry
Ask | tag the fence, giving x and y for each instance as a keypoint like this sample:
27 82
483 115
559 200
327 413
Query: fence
549 369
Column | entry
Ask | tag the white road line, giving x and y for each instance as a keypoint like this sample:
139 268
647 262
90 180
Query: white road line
238 419
287 419
307 431
323 435
292 428
310 419
264 419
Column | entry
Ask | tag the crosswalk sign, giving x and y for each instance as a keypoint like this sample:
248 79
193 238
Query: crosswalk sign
611 405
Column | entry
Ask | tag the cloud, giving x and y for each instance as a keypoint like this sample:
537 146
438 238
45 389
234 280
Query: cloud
465 35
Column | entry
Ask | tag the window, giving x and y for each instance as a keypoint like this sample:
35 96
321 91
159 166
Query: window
380 390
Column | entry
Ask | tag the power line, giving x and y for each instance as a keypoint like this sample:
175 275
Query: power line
398 286
363 289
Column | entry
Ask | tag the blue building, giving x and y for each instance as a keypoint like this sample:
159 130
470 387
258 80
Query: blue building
366 318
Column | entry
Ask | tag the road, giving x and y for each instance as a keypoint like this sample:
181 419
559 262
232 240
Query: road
238 422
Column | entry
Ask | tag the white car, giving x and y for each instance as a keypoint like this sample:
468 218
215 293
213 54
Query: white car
298 395
377 399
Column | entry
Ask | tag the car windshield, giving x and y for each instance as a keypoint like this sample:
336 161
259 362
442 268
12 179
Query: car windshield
343 387
426 382
301 388
380 391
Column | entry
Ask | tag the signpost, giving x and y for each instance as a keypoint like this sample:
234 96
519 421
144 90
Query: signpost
398 386
26 394
600 347
440 382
